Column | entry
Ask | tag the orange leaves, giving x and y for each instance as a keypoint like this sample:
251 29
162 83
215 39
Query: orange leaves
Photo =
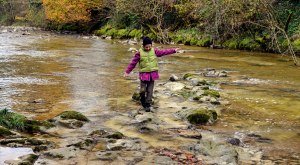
66 11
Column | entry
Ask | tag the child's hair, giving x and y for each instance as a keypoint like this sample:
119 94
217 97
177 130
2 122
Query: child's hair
146 41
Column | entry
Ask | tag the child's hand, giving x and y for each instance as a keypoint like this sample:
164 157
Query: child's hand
126 74
177 50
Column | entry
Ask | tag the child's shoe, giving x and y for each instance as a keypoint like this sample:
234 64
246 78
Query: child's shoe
147 109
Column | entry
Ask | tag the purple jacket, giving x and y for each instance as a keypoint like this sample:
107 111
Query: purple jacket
147 76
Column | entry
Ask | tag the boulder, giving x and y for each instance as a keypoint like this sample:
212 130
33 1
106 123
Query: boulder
5 132
73 115
173 78
116 135
174 86
136 96
23 160
187 76
199 116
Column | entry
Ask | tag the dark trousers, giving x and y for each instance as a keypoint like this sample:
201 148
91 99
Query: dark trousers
146 93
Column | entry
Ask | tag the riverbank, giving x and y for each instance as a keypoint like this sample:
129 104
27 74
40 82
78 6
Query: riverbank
193 37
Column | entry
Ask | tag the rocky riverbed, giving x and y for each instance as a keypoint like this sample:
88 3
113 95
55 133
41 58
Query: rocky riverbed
183 109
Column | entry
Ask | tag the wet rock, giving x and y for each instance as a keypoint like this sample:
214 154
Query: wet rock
116 135
37 101
173 78
217 153
214 101
190 134
107 155
132 42
180 157
144 118
258 138
136 96
199 116
35 144
127 144
71 123
148 128
73 115
199 82
100 133
187 76
234 141
5 132
132 50
23 160
62 153
223 74
174 86
70 119
204 99
108 37
100 146
84 144
19 122
212 93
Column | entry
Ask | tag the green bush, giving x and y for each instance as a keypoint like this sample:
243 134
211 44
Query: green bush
249 44
111 32
122 33
204 42
103 30
296 45
135 33
231 44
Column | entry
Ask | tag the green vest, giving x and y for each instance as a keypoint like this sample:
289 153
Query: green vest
148 61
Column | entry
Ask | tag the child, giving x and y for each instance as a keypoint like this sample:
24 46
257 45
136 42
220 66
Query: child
148 68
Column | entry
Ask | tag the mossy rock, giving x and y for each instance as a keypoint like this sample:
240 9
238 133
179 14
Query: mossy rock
5 132
19 122
187 75
212 93
136 96
73 115
202 116
186 93
116 135
196 98
203 82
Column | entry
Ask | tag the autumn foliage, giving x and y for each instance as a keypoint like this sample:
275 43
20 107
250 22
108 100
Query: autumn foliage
66 11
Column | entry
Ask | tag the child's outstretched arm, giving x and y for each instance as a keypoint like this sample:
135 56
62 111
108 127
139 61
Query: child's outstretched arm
164 52
132 64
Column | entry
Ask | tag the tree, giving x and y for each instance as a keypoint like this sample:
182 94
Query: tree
68 11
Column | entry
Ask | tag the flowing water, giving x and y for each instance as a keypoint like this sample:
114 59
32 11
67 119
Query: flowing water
43 74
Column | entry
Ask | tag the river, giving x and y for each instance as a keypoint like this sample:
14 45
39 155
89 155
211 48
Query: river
43 74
